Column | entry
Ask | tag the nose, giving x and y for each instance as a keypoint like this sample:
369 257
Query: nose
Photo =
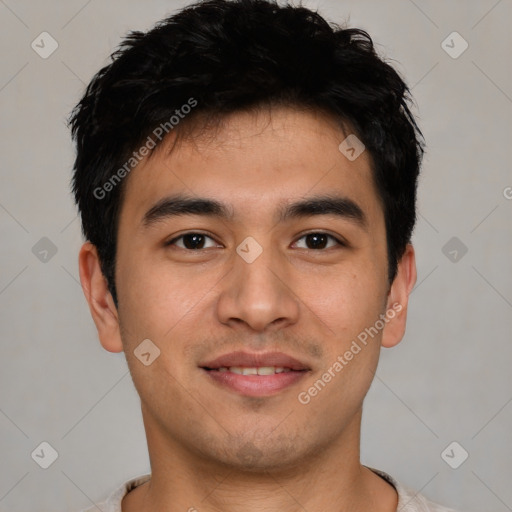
258 294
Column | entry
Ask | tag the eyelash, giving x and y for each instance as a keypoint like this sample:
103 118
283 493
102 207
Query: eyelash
332 237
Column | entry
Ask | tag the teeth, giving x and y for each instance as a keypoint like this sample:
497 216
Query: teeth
267 370
262 370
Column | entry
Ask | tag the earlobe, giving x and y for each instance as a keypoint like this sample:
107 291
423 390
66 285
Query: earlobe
101 304
398 299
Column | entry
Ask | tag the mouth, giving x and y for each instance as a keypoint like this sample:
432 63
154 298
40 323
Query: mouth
262 370
255 374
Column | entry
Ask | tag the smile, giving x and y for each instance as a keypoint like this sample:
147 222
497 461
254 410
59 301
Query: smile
255 381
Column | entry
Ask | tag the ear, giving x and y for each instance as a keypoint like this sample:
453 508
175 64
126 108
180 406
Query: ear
101 303
398 299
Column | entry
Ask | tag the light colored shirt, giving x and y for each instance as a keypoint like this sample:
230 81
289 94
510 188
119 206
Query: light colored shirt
408 499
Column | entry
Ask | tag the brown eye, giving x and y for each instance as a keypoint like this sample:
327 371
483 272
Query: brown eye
191 241
316 241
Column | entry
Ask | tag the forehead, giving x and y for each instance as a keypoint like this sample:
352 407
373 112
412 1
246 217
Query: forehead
254 162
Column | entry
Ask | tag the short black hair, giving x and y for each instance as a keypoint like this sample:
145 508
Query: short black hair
217 57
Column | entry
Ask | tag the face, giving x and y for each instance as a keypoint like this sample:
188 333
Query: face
286 253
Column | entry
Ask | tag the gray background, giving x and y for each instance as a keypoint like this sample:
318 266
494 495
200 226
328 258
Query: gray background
449 380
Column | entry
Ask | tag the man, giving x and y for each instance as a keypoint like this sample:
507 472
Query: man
246 175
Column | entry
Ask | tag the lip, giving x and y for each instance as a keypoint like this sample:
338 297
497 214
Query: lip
251 360
255 385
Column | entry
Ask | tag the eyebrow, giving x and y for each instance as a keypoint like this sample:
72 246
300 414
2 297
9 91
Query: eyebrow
178 205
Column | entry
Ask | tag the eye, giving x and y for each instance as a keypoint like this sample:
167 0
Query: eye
319 240
192 241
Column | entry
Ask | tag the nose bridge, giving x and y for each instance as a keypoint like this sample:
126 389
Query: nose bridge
256 267
255 291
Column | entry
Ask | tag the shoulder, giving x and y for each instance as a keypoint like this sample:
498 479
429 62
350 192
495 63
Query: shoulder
410 500
113 502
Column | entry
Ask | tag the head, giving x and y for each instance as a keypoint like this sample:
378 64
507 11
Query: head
238 111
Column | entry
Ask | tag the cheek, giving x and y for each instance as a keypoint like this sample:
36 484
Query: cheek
346 300
159 299
349 305
162 305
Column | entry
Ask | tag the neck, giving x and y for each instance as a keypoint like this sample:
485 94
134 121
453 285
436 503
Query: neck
331 479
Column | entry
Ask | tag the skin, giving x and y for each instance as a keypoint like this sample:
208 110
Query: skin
212 448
